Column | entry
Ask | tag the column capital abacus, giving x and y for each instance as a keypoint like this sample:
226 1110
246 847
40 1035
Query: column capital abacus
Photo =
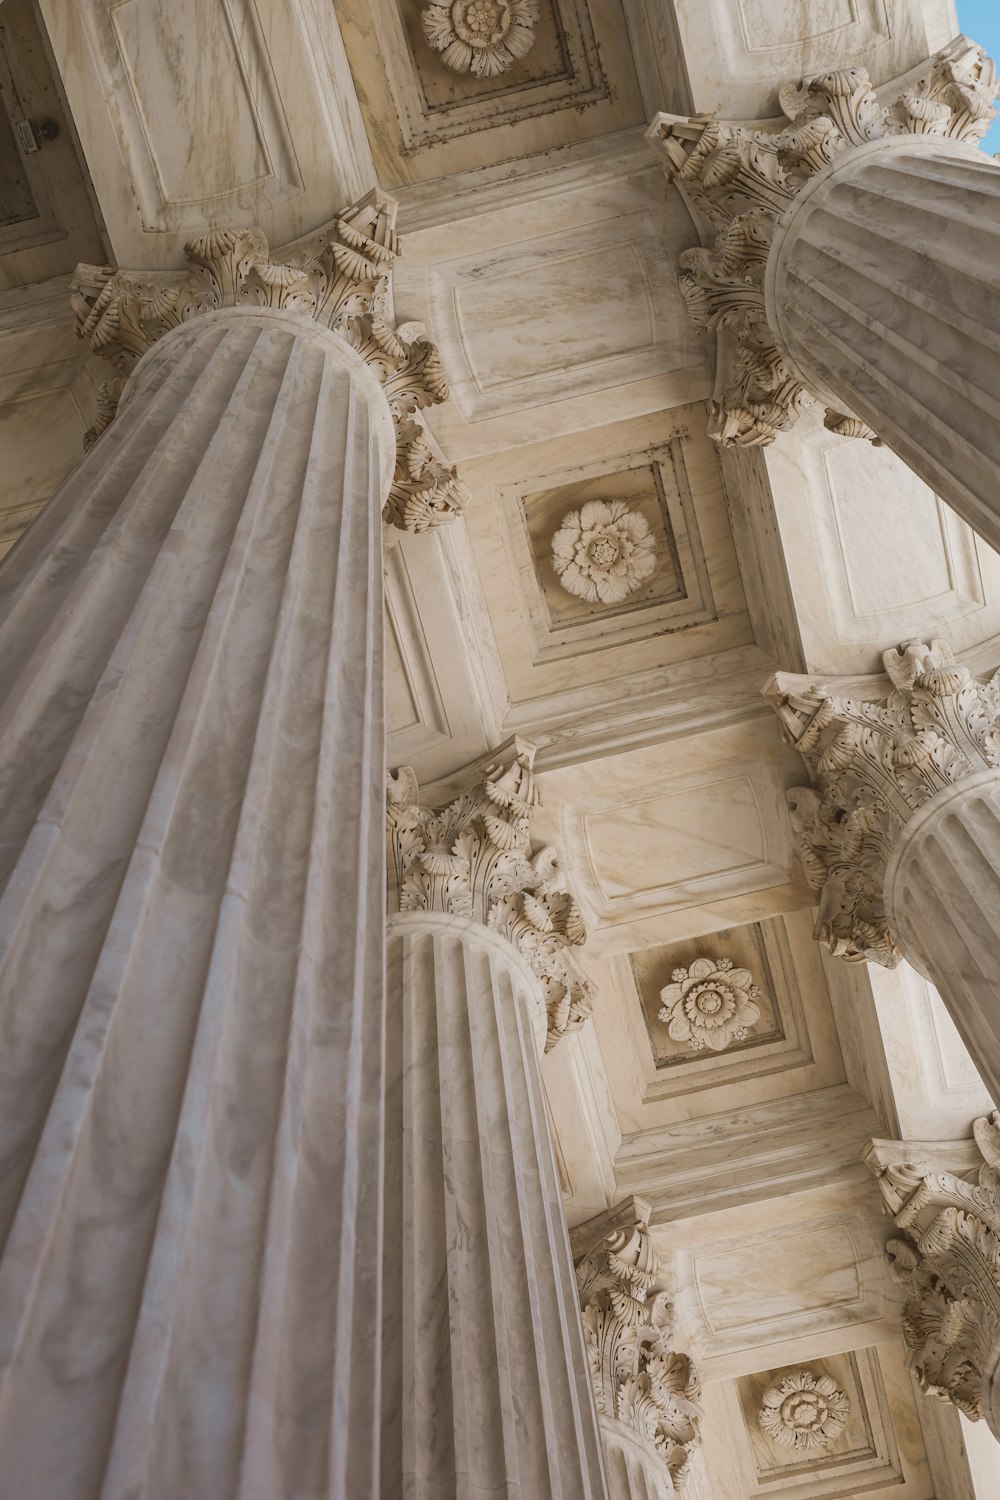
340 280
744 178
945 1198
473 858
874 763
639 1380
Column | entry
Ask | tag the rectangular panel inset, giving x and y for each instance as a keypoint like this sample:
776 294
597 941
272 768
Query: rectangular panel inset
869 533
699 833
768 25
778 1276
41 436
516 327
184 65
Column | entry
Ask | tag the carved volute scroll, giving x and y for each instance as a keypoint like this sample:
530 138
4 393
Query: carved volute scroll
948 1261
638 1378
742 179
342 281
873 764
474 858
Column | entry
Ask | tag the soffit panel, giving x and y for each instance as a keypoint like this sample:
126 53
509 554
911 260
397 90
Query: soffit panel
878 1453
427 120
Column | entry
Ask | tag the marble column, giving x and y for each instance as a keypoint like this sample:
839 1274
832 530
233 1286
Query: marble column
900 834
944 1198
647 1393
192 903
856 263
487 1388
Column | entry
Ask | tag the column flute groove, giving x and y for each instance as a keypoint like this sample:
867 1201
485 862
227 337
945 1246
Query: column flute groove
192 968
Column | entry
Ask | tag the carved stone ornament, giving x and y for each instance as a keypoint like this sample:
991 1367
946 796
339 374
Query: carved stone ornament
473 858
742 179
710 1004
485 37
804 1411
342 281
948 1262
603 552
873 764
637 1377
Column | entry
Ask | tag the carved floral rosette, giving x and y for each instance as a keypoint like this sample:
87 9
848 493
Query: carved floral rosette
341 281
603 552
710 1004
804 1411
637 1377
873 764
473 858
742 179
484 37
948 1262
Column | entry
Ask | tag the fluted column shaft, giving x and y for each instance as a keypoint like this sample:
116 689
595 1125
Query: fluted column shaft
635 1470
191 931
883 292
488 1391
942 892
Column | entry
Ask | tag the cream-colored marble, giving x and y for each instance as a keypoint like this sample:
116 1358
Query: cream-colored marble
684 837
911 352
425 121
191 115
865 576
738 53
898 833
192 928
882 1453
485 1380
943 1199
48 386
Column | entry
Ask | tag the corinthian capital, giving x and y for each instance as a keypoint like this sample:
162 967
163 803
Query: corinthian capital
945 1198
873 764
638 1379
474 858
341 281
742 179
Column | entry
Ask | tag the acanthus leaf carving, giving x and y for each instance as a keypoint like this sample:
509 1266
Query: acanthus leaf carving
948 1262
474 859
341 282
873 764
638 1378
742 178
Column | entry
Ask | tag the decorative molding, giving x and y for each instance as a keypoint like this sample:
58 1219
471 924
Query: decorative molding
485 37
804 1411
710 1004
873 764
742 179
342 282
473 859
603 552
949 1260
638 1378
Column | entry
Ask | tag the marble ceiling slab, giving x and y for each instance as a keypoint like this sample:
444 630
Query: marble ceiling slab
554 311
880 1453
738 53
425 120
193 116
48 387
691 836
864 576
